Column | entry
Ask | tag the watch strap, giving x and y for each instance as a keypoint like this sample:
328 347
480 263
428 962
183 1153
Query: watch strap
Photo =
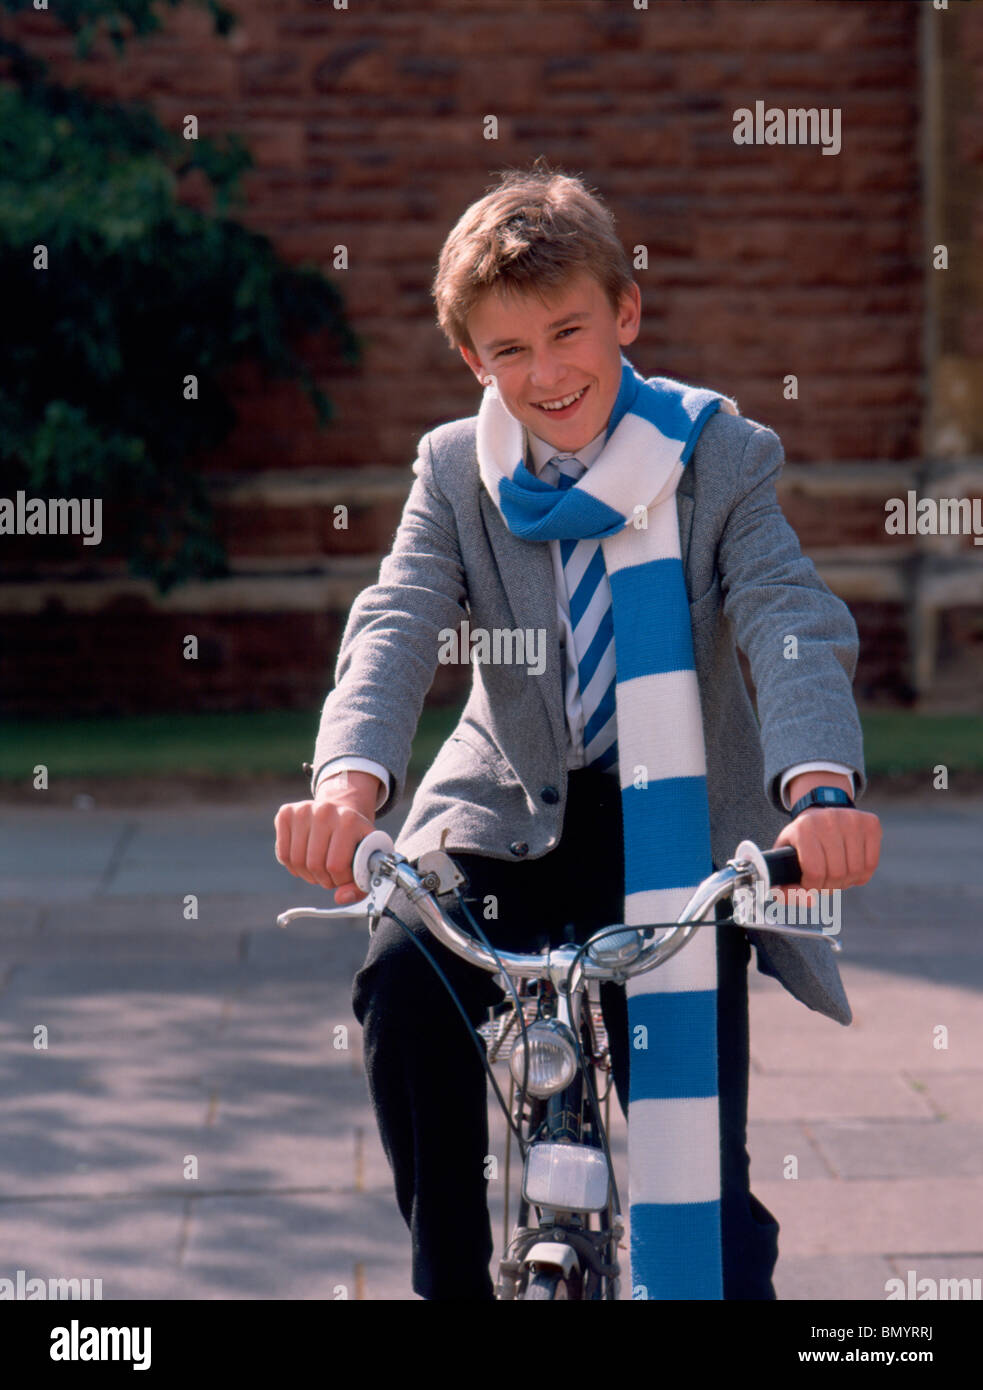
822 796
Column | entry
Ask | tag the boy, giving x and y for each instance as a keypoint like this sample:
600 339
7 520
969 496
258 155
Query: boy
537 786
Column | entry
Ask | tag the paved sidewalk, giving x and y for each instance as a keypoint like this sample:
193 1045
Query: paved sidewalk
196 1126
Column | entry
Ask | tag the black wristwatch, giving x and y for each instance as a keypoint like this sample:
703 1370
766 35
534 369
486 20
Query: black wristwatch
822 796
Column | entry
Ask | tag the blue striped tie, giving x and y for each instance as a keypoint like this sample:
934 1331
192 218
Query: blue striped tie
593 629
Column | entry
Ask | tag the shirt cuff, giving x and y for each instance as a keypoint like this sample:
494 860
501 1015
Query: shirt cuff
356 765
792 772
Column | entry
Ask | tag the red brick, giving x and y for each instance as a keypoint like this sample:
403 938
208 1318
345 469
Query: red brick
367 130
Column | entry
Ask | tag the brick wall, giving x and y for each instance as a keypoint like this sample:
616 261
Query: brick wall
366 125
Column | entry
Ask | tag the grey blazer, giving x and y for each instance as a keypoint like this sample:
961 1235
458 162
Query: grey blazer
498 784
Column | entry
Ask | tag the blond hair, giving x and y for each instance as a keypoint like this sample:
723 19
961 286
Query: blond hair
531 232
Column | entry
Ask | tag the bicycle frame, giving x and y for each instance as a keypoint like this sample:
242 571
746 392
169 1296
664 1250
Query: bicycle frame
562 1256
562 1247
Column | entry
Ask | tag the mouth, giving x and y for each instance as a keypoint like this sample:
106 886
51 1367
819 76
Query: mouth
563 406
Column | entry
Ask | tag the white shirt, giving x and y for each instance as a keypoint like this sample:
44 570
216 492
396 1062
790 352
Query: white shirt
541 452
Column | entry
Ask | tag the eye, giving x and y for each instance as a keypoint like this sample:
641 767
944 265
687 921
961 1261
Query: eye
504 352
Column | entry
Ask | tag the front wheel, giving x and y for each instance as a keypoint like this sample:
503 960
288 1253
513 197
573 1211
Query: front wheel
549 1284
546 1286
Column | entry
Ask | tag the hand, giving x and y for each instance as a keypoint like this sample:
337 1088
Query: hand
316 840
838 847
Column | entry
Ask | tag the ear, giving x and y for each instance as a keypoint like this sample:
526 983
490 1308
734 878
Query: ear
474 362
630 315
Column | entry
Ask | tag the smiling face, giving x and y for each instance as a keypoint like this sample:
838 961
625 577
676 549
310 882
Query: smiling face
548 351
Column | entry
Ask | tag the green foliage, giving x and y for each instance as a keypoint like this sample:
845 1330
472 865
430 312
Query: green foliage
896 744
141 290
182 745
85 18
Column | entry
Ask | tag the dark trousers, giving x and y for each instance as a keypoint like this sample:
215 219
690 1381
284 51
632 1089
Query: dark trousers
426 1081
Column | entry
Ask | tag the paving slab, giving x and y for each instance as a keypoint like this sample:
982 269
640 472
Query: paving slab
779 1146
131 1245
872 1216
18 918
894 1029
842 1096
304 1140
162 1000
162 856
313 941
958 1096
53 854
219 1037
297 1246
116 947
905 1149
839 1278
948 856
913 1268
100 1146
218 914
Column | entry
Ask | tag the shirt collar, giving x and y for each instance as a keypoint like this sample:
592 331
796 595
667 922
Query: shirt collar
542 452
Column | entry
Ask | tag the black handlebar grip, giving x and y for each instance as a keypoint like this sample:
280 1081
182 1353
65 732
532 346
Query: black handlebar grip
783 866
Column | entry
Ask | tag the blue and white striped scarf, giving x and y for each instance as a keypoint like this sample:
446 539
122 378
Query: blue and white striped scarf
626 499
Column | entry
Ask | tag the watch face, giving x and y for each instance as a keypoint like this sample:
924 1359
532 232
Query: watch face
833 796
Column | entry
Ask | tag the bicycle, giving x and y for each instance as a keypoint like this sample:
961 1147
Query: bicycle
552 1036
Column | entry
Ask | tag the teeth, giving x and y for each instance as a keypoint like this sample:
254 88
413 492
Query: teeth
567 400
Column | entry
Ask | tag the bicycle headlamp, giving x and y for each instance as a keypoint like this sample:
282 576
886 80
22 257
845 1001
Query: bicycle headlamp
552 1058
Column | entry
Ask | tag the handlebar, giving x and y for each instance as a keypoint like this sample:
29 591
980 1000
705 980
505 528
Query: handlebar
611 954
784 869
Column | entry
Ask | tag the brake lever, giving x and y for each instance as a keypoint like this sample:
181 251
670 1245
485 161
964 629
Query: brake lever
372 906
749 858
378 887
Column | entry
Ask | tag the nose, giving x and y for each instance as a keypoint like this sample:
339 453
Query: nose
546 370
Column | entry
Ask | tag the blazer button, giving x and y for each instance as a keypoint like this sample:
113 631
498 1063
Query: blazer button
519 848
550 795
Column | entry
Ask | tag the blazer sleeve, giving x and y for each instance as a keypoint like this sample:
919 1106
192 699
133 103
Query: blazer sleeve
772 593
388 653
